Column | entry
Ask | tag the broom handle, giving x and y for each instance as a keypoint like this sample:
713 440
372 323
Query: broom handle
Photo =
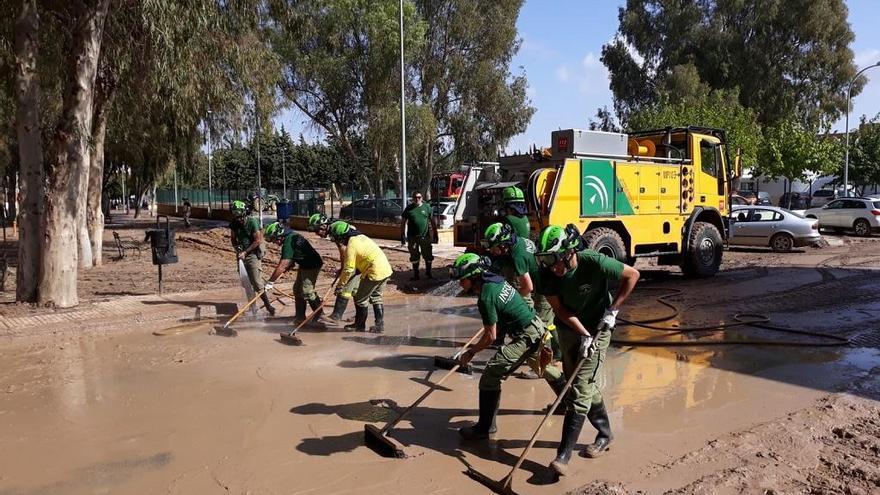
434 386
506 481
315 312
242 310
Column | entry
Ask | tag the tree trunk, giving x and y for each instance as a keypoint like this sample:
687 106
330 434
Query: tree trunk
94 212
30 149
68 174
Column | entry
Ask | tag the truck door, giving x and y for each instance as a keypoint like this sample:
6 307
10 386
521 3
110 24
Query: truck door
710 174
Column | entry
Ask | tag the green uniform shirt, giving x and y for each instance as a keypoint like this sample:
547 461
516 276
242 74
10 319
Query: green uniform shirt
418 218
520 260
297 248
244 231
501 304
520 225
584 291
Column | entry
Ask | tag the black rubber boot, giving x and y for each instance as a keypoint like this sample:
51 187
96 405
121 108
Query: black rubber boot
415 272
315 304
571 430
485 426
267 304
379 313
428 270
360 320
557 386
598 417
300 305
339 308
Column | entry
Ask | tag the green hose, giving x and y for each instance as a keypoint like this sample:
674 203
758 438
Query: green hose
739 320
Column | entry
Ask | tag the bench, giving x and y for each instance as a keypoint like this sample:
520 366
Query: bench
123 243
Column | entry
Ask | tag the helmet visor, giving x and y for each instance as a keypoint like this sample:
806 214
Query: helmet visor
547 260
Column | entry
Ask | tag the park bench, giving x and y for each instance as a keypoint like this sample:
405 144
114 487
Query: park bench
126 243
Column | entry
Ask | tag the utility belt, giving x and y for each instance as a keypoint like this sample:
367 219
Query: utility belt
538 343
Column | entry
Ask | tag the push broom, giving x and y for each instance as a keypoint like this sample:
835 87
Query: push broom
449 363
378 439
225 329
290 337
504 485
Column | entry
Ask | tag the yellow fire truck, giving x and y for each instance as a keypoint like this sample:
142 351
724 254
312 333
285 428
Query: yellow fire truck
661 193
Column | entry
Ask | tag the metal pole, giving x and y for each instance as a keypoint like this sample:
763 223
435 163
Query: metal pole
124 197
846 160
210 154
284 173
259 178
175 189
402 116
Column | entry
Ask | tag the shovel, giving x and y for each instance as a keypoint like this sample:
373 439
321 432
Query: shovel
503 486
225 330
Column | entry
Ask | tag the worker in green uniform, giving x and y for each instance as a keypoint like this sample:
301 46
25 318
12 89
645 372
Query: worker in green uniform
513 257
500 306
418 228
247 239
320 224
515 212
585 316
364 256
296 250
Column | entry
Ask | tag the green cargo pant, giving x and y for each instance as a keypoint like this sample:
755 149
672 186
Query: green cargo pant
254 268
584 390
304 286
369 292
545 313
351 286
499 366
417 244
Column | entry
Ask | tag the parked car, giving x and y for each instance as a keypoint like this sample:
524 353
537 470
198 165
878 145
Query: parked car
862 215
737 200
822 197
757 198
444 211
799 201
366 209
768 226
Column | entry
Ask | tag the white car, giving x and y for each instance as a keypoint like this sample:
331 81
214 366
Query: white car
822 197
862 215
444 212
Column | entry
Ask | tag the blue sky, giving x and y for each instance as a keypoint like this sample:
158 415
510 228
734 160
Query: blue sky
561 44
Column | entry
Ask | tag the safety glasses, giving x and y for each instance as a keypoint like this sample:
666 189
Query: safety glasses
547 260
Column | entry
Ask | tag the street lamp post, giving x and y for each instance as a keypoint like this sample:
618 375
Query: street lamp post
259 178
848 97
402 118
210 154
284 173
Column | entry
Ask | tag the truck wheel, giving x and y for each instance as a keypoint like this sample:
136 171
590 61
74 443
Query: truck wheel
704 250
608 242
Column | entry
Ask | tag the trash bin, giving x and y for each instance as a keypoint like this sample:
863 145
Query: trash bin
284 210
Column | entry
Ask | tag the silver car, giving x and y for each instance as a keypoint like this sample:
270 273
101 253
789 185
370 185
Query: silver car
777 228
444 212
862 215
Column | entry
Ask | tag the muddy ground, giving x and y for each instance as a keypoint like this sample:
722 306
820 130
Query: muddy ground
125 411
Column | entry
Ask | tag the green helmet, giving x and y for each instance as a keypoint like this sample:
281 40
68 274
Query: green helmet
338 230
317 220
239 209
496 234
555 241
273 231
468 265
513 194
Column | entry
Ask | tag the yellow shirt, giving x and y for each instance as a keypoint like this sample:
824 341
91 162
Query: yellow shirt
365 255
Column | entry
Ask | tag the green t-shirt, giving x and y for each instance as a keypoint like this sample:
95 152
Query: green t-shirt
297 248
499 303
518 262
418 218
584 291
520 225
244 231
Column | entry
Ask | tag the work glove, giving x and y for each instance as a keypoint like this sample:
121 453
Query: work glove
241 255
268 287
586 348
609 319
337 291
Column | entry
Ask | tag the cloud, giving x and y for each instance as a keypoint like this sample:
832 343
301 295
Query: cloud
867 57
593 78
562 73
531 92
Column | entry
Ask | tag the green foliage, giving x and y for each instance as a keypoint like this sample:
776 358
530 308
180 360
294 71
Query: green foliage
791 149
720 109
864 153
790 59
